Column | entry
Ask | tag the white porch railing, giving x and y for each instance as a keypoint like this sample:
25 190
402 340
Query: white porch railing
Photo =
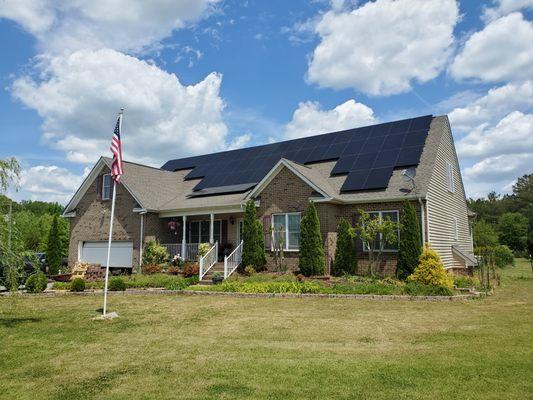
232 261
191 250
206 262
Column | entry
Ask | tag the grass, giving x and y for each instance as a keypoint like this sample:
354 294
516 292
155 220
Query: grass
192 347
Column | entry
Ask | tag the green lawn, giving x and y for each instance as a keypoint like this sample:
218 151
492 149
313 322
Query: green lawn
197 347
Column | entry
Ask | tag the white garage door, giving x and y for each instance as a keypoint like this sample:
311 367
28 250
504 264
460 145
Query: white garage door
96 253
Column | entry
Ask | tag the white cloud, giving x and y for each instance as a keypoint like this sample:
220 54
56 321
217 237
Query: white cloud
127 25
78 95
48 183
512 135
492 107
309 119
501 52
381 47
496 173
504 7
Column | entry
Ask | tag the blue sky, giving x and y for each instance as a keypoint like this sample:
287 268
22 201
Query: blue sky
197 76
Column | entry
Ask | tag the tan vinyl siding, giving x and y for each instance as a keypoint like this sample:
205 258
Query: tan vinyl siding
447 209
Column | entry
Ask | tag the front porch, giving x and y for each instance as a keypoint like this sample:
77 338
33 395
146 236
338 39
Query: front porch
185 233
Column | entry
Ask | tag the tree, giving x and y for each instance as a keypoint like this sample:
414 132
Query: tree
512 231
253 248
430 270
530 231
376 233
409 248
345 253
53 251
9 173
523 193
484 234
312 260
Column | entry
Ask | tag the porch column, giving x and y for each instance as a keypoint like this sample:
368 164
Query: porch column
183 237
212 229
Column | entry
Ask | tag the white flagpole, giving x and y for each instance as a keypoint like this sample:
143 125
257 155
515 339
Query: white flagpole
109 245
111 230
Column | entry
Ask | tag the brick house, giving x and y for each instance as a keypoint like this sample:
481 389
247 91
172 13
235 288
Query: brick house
201 199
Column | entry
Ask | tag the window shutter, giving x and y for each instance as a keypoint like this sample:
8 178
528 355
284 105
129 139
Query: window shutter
99 181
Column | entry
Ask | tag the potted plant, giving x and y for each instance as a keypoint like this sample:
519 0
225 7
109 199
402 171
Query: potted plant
217 278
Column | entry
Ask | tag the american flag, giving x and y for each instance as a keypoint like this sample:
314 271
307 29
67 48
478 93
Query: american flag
116 149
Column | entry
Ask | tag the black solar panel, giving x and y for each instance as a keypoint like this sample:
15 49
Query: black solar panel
367 155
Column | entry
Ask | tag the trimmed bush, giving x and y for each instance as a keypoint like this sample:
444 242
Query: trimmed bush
36 283
191 270
154 253
253 248
77 285
312 260
345 252
117 284
203 249
430 270
53 248
149 269
503 256
409 248
419 289
462 281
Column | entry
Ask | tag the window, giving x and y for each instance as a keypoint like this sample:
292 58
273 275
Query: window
455 228
393 216
199 231
451 186
290 229
106 187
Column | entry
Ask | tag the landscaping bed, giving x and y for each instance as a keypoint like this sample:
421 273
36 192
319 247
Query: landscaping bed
138 281
356 285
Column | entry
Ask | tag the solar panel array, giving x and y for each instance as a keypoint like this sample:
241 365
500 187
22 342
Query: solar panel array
366 155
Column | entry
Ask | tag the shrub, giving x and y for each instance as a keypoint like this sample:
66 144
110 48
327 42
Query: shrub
419 289
180 284
173 270
77 285
149 269
270 287
463 281
430 270
203 248
484 234
503 256
191 270
154 253
36 283
345 252
409 248
249 270
312 260
117 284
253 249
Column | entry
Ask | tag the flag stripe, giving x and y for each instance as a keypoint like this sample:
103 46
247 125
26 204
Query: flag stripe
116 149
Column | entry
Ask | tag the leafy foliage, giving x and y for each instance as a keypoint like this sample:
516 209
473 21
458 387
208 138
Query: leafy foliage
53 250
530 231
312 260
117 284
191 270
503 256
345 253
430 270
512 228
484 234
77 285
409 248
36 283
419 289
149 269
154 254
376 233
9 173
253 251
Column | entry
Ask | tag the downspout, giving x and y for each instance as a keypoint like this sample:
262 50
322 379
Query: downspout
423 220
141 240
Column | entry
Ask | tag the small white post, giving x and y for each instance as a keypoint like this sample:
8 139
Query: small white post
141 239
109 245
225 267
200 270
183 240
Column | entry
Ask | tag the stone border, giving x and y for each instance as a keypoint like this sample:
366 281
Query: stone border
161 291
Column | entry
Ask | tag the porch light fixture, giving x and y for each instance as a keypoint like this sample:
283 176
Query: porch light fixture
232 220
